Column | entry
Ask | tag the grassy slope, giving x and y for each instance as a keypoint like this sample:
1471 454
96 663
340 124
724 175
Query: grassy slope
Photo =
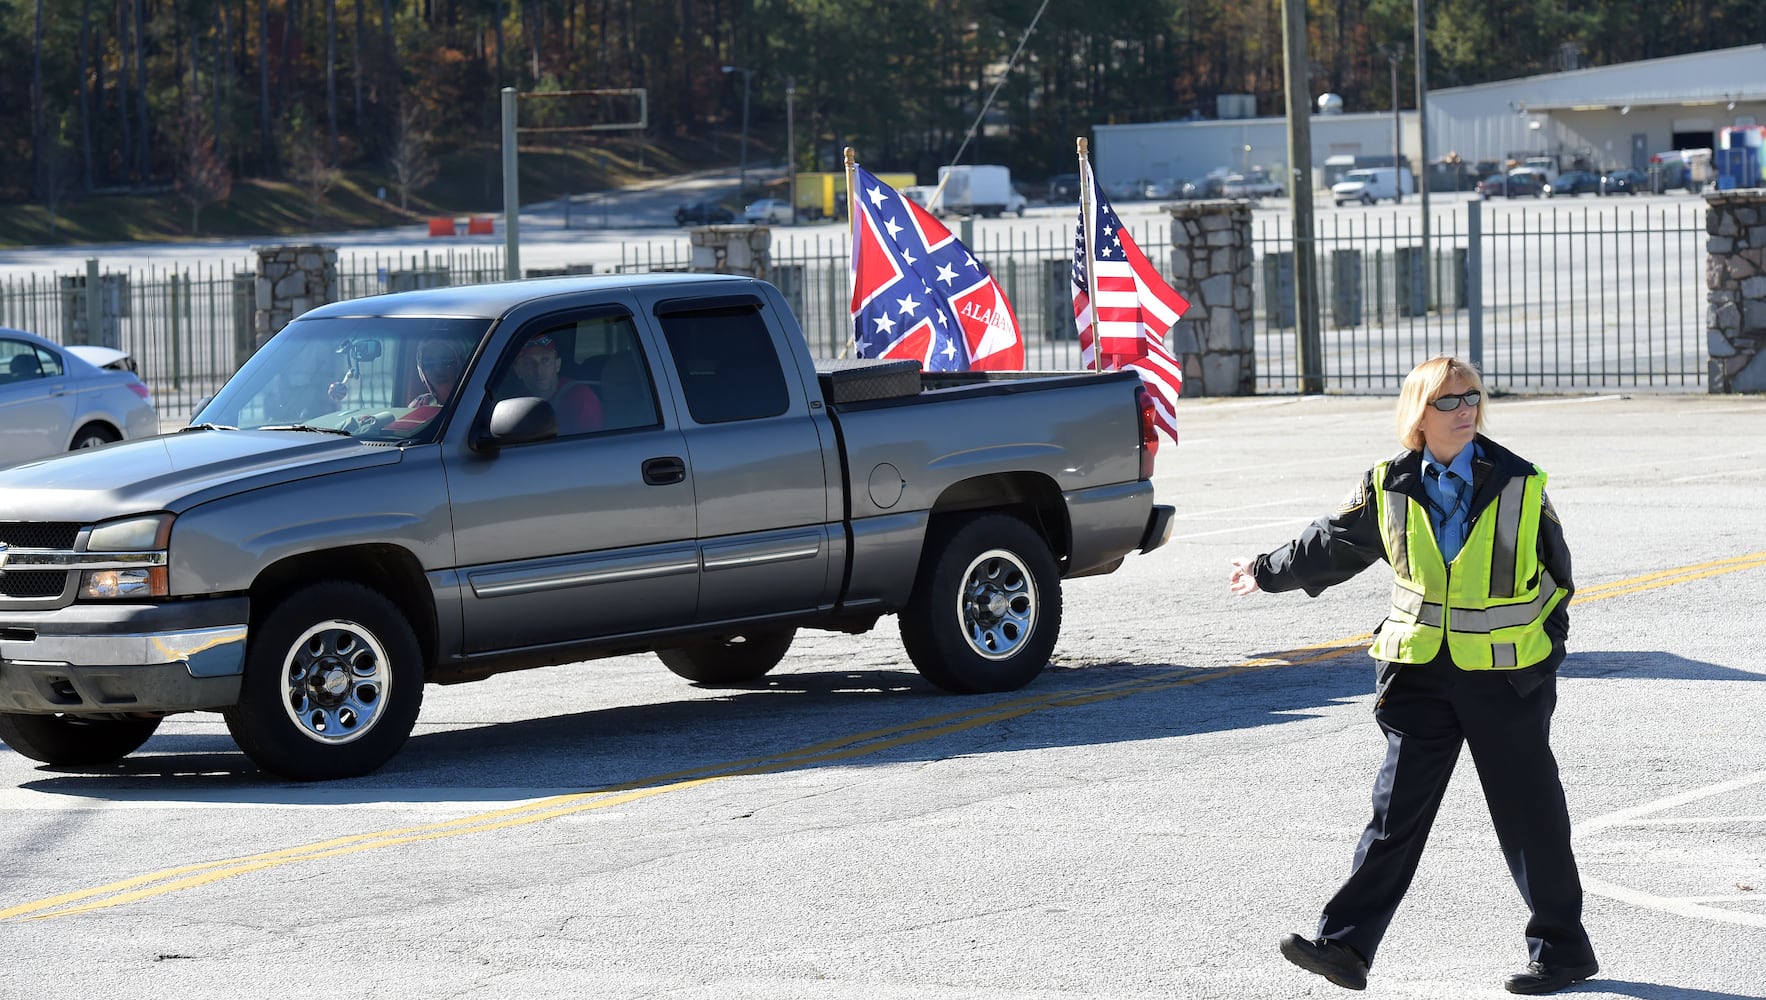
470 180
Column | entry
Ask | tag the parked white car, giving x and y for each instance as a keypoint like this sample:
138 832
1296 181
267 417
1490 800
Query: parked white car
51 400
768 212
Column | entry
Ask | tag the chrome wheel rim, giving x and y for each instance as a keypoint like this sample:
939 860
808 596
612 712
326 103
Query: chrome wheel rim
997 604
335 680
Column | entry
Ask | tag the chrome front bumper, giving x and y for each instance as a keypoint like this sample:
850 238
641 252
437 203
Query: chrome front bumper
93 659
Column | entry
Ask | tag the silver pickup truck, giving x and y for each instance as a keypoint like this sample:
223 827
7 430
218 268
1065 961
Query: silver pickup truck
441 485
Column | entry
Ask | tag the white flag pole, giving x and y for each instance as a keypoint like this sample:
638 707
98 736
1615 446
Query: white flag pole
1088 211
851 348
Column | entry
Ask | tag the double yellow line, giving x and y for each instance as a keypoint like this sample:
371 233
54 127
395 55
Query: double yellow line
830 751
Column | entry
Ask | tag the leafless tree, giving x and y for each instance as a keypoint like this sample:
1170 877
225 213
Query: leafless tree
412 161
203 175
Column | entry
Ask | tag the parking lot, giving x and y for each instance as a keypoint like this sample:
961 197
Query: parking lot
1145 820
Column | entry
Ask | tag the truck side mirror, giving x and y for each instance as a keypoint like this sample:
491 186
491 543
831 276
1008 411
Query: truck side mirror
517 421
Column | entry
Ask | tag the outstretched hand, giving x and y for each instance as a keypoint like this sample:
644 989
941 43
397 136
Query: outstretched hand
1242 581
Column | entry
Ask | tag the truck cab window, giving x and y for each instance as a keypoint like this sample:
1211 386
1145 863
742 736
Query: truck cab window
728 364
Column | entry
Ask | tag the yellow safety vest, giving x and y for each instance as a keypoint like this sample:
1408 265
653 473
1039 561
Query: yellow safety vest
1491 602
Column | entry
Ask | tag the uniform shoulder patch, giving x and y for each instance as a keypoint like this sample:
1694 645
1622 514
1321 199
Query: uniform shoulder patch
1546 508
1355 500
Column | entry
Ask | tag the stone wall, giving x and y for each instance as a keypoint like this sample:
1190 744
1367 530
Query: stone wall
1211 267
291 280
1735 276
732 250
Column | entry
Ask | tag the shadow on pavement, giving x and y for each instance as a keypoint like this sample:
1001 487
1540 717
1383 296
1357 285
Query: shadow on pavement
871 716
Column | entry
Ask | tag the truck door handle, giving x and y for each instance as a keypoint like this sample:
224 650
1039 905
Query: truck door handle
664 471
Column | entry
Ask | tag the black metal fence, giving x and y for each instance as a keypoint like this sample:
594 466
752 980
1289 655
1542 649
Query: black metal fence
1602 294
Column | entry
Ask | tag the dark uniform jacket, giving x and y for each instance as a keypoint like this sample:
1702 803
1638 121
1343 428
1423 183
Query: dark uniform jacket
1336 547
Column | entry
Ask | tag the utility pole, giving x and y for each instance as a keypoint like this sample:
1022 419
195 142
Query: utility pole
1422 137
511 190
1310 347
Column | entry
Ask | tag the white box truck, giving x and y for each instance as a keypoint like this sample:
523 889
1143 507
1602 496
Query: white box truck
981 189
1370 184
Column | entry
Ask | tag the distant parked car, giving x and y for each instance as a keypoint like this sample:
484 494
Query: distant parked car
1255 184
1063 188
52 400
768 212
1171 187
1574 182
1624 181
703 213
1523 184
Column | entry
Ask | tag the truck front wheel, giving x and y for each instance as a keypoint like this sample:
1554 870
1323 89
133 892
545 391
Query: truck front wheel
333 684
986 610
74 740
735 659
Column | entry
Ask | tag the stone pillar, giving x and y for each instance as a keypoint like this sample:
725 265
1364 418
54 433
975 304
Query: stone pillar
1211 266
732 250
1735 276
291 280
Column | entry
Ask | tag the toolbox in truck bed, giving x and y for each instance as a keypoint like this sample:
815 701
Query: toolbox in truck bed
856 380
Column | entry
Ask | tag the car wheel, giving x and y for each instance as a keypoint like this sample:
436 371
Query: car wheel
986 610
333 684
74 740
736 659
93 435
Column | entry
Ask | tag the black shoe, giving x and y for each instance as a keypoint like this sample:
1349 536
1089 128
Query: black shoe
1333 960
1543 978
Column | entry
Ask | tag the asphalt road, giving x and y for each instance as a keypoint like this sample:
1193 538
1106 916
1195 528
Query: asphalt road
1145 820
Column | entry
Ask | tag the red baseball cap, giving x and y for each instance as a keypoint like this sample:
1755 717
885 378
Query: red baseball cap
540 342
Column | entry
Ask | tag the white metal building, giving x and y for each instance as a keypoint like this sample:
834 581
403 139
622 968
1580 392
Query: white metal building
1607 116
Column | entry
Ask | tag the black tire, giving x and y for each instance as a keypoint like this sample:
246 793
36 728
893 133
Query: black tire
333 684
735 659
73 740
93 435
986 611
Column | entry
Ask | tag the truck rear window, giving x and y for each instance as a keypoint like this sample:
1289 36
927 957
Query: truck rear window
728 364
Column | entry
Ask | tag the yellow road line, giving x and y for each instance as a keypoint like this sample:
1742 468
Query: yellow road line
839 749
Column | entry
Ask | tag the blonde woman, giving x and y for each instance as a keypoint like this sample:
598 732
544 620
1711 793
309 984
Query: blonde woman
1467 654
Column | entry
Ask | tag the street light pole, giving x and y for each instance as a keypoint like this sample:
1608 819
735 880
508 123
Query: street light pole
791 143
747 76
1395 54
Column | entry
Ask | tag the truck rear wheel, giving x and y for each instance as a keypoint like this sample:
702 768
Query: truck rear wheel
986 611
735 659
74 740
333 684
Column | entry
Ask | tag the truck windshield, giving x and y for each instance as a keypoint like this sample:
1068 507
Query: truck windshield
375 378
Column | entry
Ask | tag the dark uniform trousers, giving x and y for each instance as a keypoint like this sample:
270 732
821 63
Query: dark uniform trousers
1427 712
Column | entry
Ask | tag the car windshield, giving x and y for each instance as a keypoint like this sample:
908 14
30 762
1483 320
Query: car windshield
385 379
1359 175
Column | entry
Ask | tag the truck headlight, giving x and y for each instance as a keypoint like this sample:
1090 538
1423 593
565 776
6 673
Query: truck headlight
139 567
114 583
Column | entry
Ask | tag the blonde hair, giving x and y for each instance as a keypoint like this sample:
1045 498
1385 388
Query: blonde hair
1422 386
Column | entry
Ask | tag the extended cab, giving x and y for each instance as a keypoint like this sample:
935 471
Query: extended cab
380 498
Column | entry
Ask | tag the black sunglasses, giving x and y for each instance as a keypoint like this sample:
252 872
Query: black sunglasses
435 364
1447 404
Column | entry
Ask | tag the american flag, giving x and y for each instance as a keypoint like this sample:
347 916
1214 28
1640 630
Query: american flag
917 291
1134 307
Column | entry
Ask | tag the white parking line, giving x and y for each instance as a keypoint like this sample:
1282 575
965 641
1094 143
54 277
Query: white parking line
1686 906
